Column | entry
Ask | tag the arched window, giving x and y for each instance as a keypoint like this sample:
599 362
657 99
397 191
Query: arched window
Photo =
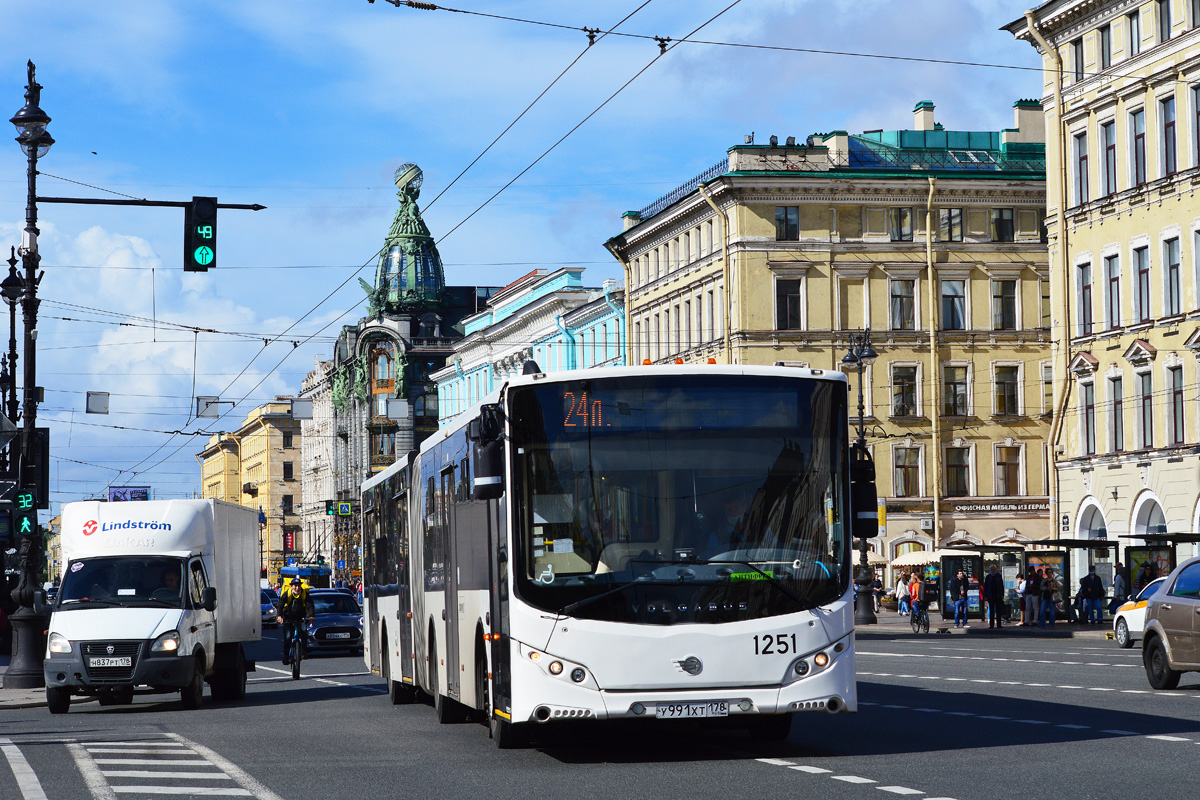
1091 524
1150 519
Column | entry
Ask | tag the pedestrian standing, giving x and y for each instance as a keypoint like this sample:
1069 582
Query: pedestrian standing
1020 587
1091 589
1144 577
1049 589
1034 588
1120 589
876 591
958 596
993 593
902 595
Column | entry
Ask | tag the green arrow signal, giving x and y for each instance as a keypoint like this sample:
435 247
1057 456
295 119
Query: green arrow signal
203 255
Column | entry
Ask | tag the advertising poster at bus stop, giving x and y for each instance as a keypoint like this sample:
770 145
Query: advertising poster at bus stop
1044 561
1159 559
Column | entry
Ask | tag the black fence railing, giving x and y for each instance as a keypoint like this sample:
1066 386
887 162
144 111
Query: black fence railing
683 190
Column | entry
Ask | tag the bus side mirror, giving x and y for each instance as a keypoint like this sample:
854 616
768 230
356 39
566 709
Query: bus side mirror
487 433
864 502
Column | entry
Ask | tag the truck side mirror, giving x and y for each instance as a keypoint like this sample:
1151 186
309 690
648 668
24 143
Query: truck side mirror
864 501
41 603
208 598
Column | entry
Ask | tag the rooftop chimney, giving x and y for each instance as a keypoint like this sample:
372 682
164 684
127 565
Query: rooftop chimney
923 116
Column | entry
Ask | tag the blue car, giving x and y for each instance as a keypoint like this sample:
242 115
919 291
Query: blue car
338 624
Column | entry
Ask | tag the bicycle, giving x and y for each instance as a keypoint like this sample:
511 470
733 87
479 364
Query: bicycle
919 619
297 648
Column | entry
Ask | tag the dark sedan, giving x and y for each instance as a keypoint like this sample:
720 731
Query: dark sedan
338 624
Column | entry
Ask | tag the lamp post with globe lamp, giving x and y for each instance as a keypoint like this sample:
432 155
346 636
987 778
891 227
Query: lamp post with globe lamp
11 288
862 354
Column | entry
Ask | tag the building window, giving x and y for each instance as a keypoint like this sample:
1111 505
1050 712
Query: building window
1146 409
1196 122
908 472
1137 155
901 224
1163 14
288 473
1047 389
954 305
1077 59
1081 168
1002 225
1196 13
1004 305
286 504
1177 432
1108 141
687 326
1112 272
787 223
950 227
904 391
955 403
1008 391
787 305
1089 419
287 439
902 306
1166 113
1008 471
1117 392
1172 301
1133 24
958 476
1084 272
1045 305
1141 273
1104 41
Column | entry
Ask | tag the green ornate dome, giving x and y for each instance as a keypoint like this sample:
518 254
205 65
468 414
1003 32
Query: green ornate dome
409 275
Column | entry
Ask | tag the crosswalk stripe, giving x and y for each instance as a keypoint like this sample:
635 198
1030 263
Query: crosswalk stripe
133 751
27 779
192 790
148 773
169 762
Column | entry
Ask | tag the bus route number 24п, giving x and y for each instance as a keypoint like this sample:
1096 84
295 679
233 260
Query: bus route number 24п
775 644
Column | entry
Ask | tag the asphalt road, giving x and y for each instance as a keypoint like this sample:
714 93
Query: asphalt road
964 717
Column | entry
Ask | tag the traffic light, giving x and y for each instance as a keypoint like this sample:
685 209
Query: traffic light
25 522
200 235
329 507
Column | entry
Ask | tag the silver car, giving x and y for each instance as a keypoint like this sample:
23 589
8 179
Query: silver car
269 613
1171 643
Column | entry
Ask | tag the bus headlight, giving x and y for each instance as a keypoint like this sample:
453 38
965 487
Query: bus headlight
821 659
59 643
555 667
578 674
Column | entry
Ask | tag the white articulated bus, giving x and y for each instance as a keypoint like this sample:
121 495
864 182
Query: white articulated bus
658 542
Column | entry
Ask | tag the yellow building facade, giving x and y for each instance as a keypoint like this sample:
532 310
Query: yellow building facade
1122 98
258 466
931 239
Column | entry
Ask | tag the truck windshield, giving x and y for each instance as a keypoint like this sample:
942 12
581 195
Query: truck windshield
686 498
122 581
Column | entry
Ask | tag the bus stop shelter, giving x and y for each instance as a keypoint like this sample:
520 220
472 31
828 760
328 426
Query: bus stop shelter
975 560
1058 560
1159 550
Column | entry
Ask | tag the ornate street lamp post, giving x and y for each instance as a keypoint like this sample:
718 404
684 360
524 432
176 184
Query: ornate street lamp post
11 288
862 354
25 669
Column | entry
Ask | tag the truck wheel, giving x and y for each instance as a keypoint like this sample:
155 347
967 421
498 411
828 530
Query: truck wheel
193 694
58 699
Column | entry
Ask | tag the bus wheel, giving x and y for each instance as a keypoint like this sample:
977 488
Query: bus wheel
398 693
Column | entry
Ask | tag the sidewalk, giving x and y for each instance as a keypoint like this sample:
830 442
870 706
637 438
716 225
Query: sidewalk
892 624
26 698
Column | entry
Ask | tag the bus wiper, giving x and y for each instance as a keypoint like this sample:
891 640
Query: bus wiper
805 605
578 604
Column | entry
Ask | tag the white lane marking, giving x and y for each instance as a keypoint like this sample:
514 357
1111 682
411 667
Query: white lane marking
129 744
852 779
1135 691
865 703
1068 687
1165 738
899 790
812 770
1121 733
929 710
140 751
371 689
206 791
229 768
777 762
172 762
993 716
27 779
960 713
92 778
1073 727
1033 721
992 658
895 706
149 773
1100 689
1009 683
981 680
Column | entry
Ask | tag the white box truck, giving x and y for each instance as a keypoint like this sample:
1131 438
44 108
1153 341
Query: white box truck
158 594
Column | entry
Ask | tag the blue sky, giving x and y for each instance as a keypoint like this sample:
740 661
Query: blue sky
308 107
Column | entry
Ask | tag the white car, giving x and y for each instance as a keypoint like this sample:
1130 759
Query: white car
1130 620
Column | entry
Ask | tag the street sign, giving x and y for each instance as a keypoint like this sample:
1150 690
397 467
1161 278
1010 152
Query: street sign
345 509
8 431
341 564
291 562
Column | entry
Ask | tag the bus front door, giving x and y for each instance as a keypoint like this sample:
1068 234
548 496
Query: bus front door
453 671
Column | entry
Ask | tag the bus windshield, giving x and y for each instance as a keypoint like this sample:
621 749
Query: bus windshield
685 498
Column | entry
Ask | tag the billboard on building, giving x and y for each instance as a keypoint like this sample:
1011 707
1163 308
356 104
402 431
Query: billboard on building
122 494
